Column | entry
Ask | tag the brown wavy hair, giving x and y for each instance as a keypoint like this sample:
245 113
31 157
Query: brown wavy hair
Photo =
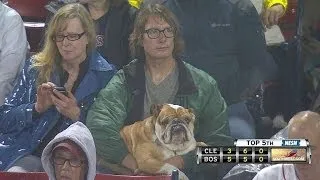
49 58
165 14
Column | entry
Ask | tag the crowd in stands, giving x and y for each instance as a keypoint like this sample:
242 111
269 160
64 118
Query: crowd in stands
104 63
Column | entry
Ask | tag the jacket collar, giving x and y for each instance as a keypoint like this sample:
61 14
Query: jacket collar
135 75
92 81
98 63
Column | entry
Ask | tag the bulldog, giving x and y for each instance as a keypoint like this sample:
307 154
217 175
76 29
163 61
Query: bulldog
168 132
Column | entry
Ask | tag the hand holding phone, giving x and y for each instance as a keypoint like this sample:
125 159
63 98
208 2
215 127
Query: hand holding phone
44 91
67 104
61 90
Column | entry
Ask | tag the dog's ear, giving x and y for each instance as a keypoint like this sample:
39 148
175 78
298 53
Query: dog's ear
190 110
155 109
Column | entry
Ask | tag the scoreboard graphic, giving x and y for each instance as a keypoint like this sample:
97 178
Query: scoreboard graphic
257 151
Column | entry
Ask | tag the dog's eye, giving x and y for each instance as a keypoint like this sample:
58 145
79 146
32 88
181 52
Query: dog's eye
188 120
164 121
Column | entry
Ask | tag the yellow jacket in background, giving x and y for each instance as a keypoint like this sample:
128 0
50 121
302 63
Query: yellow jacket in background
269 3
135 3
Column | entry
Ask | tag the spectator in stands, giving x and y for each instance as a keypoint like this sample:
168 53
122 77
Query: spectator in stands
113 23
159 75
304 125
35 111
225 39
13 48
273 10
71 155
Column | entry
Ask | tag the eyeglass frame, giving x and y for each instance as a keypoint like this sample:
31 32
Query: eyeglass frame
160 31
69 161
79 37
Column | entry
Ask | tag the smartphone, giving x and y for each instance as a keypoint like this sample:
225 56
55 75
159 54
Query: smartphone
61 90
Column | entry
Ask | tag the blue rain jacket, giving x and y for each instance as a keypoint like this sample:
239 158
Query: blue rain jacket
20 134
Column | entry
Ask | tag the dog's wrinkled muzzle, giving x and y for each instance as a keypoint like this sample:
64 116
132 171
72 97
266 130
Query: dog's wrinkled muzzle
178 128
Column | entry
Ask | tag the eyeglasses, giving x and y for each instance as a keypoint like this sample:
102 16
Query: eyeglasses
70 37
72 162
155 33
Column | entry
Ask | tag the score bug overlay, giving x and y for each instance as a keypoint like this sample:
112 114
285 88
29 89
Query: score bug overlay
257 151
271 142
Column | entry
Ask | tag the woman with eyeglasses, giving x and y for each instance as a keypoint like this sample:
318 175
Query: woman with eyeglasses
71 155
55 89
113 21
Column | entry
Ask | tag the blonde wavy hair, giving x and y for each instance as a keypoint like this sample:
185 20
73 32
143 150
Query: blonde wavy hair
49 58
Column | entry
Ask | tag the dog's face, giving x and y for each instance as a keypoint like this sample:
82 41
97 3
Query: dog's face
173 126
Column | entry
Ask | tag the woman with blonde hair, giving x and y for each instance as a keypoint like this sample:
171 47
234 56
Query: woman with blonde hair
113 21
55 89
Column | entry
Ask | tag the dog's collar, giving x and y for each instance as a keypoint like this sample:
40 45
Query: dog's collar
157 141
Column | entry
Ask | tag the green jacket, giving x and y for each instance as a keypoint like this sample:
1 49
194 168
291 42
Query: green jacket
121 103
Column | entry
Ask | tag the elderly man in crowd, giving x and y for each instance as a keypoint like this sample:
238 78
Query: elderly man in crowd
304 125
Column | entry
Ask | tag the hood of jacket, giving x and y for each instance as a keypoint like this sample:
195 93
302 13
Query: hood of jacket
79 134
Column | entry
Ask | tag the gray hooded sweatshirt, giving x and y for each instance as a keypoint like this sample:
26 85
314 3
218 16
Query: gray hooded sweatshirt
79 134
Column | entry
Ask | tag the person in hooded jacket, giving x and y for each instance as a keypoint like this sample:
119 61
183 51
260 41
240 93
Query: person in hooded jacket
71 155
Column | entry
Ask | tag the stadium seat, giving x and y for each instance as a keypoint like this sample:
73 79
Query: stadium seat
43 176
33 10
34 15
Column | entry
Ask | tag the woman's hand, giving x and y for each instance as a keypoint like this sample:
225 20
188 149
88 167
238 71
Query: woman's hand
44 93
66 105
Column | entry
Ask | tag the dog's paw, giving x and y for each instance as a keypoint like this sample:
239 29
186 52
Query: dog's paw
182 176
168 169
201 144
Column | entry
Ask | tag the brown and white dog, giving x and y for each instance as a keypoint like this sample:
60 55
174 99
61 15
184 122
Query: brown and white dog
168 132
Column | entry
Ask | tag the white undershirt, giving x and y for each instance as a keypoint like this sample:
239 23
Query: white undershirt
277 172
